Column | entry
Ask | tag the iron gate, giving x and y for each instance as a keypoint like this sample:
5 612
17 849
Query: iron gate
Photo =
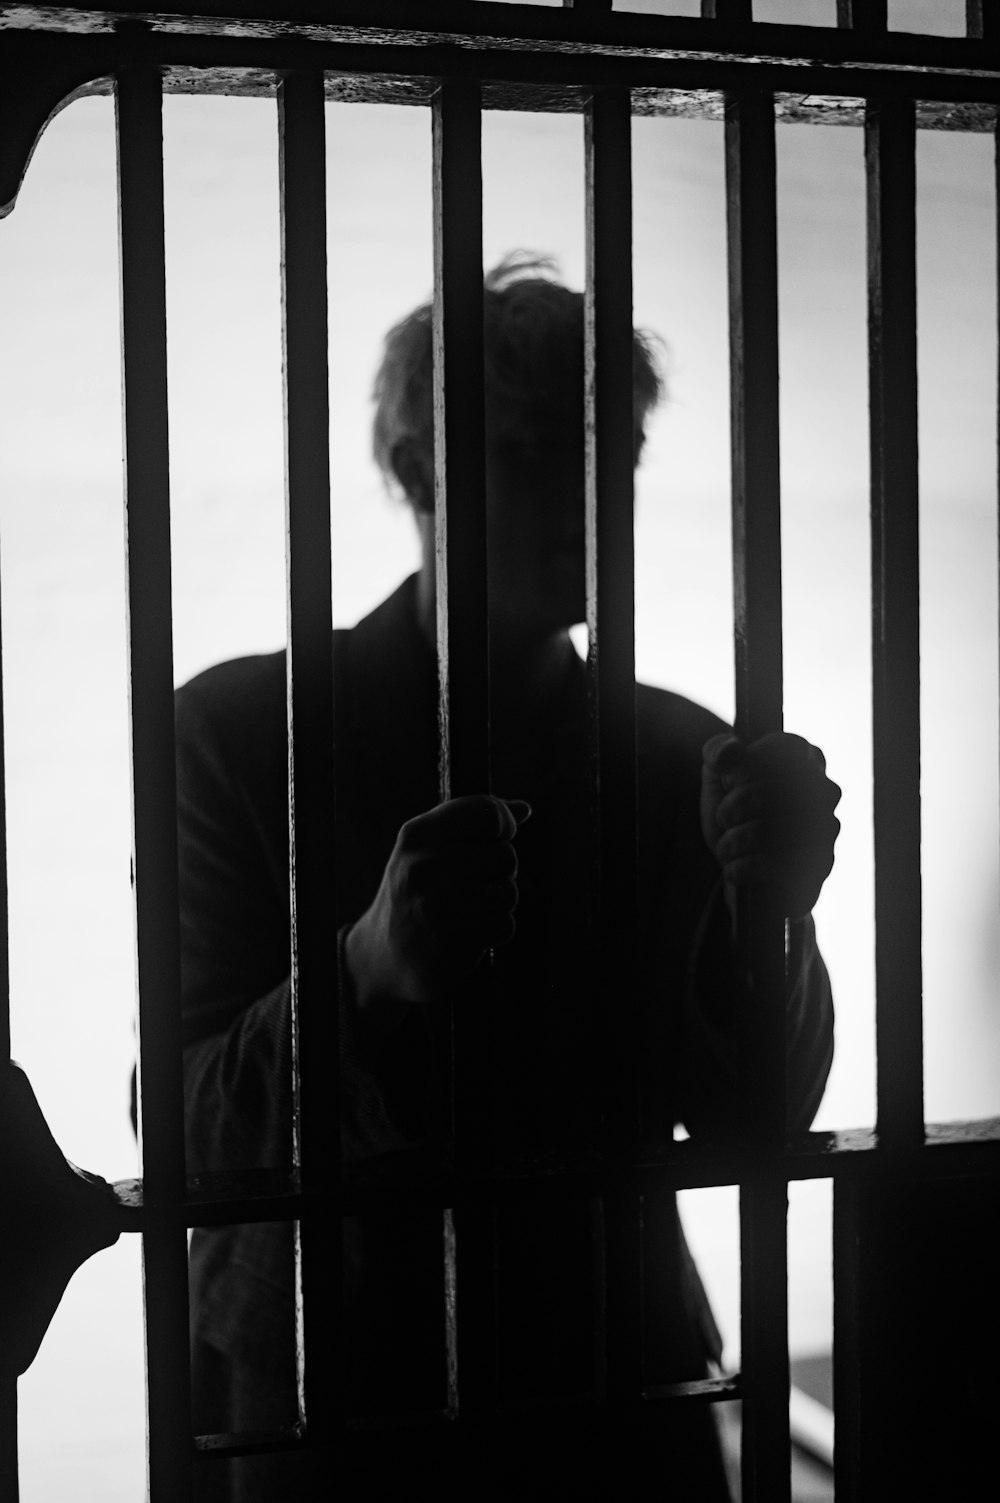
457 58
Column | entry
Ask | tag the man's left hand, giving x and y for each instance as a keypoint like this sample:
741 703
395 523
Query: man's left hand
767 815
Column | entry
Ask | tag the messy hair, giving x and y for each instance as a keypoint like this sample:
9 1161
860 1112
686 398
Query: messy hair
533 342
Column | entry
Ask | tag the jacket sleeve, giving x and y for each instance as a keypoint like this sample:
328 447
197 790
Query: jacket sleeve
715 994
695 983
235 948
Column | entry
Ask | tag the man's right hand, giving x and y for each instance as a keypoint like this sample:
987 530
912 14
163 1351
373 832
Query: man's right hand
447 895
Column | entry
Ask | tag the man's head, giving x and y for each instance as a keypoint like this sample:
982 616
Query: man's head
533 343
533 346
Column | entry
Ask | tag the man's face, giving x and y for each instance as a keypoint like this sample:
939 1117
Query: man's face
535 521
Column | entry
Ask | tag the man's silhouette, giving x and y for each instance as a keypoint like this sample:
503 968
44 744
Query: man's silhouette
427 889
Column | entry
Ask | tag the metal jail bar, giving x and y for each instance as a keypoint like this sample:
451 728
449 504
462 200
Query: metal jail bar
610 555
138 100
469 1233
863 1449
311 748
890 156
753 316
8 1380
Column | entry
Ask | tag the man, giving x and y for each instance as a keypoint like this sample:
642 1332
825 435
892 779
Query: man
427 889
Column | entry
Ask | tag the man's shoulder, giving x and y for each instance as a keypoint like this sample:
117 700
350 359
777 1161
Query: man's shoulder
669 722
670 733
231 723
239 688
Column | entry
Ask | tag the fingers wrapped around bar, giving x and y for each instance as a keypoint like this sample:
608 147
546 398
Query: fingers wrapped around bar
448 894
767 815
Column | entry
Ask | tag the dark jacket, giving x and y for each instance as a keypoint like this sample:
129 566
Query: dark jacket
546 1096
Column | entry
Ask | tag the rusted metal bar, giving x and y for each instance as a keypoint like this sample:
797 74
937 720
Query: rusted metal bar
312 834
674 65
753 315
890 157
610 567
383 22
982 20
138 108
464 696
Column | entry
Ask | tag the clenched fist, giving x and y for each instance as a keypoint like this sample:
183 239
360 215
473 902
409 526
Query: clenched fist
767 815
447 895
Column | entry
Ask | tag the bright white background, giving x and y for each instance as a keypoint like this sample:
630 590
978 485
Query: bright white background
61 573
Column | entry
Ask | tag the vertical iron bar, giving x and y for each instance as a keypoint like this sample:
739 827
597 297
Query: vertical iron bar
982 20
8 1436
464 694
139 112
312 836
8 1381
851 1363
4 895
459 441
766 1453
756 502
610 564
866 17
733 11
753 298
753 313
890 159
